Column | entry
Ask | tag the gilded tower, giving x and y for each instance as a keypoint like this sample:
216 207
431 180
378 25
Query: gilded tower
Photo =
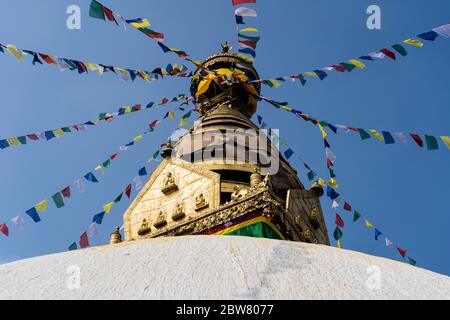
225 176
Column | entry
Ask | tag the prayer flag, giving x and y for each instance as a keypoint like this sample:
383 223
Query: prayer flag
236 2
430 35
245 12
332 194
143 172
91 177
4 229
338 234
347 207
311 175
183 123
41 206
413 42
248 51
98 218
402 251
107 207
377 135
288 153
443 30
388 139
92 230
389 243
33 215
400 49
16 53
138 183
400 136
432 143
96 10
446 140
339 221
239 20
364 135
377 234
79 183
389 53
249 30
139 23
58 200
73 247
368 224
118 198
412 262
356 216
357 63
84 241
417 139
18 222
128 191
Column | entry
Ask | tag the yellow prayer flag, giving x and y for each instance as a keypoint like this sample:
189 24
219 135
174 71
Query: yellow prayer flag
312 74
286 108
357 63
41 206
58 133
339 244
100 167
446 140
107 207
16 53
414 42
249 30
324 133
275 83
333 183
91 66
368 224
172 115
127 109
183 123
13 142
377 135
322 182
244 57
144 23
138 138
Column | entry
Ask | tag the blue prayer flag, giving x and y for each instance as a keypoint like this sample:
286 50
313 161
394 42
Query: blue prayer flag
377 234
90 177
33 215
98 218
388 138
288 154
430 36
143 172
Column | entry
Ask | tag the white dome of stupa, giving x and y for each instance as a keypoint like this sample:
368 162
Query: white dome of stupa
210 267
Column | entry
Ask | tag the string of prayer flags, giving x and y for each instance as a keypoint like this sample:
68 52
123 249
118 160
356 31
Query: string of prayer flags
247 44
431 142
107 117
141 25
83 67
350 65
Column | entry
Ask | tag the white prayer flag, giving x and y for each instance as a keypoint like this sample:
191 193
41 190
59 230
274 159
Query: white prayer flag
245 12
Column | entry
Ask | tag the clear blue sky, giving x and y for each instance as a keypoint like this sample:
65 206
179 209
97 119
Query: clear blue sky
401 189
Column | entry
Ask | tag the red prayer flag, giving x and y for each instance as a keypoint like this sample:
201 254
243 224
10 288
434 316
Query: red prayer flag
339 68
114 156
248 43
329 164
389 53
84 241
237 2
4 229
109 15
164 101
33 137
339 221
128 191
417 139
47 58
401 251
347 207
66 192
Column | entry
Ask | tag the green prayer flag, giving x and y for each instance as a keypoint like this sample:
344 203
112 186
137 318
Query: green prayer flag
356 216
106 164
332 174
400 49
66 129
412 262
96 10
302 80
22 140
73 246
187 115
432 143
119 198
102 116
348 66
58 200
311 175
364 134
338 234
